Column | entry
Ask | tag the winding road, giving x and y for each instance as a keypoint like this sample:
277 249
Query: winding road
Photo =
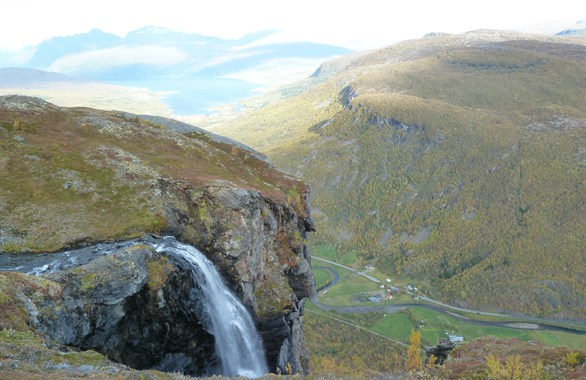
363 274
437 306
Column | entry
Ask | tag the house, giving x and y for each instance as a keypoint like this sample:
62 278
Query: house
456 339
376 298
388 280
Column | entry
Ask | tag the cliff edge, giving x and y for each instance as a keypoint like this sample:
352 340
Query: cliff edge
74 177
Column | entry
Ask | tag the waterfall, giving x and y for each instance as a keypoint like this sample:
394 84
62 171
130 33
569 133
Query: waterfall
238 344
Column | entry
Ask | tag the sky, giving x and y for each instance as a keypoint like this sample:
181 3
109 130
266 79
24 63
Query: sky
358 25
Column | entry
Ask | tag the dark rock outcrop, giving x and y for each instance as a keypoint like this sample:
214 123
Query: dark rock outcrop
134 306
346 95
259 247
440 351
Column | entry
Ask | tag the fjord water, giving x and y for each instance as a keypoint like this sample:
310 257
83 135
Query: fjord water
238 344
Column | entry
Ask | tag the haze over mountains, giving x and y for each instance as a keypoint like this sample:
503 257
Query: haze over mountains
173 72
195 72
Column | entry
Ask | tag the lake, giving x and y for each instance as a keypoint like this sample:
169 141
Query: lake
195 95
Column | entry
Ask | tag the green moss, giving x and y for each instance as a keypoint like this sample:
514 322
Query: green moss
88 281
5 298
12 248
13 314
15 336
79 358
12 336
203 214
274 294
158 273
31 352
273 299
202 211
293 195
297 239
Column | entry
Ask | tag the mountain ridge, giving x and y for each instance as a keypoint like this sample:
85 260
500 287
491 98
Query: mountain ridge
416 150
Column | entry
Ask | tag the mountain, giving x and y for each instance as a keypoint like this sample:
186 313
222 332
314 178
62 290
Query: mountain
576 30
17 77
52 49
195 72
82 178
70 92
455 161
153 52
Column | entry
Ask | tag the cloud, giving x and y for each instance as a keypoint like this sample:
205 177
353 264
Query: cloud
10 58
104 59
277 72
222 59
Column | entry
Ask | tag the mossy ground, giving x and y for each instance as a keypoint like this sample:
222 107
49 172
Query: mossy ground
13 285
80 176
24 355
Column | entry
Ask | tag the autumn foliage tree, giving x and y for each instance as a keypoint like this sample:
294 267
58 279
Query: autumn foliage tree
512 369
413 361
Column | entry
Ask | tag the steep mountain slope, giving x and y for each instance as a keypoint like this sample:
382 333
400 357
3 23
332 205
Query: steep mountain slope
457 161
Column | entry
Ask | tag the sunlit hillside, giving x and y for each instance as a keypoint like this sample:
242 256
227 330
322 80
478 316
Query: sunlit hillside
458 162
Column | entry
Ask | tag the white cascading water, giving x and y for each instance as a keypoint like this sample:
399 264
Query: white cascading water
238 344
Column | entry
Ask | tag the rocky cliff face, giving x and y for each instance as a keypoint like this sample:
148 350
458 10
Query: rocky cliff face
81 176
259 246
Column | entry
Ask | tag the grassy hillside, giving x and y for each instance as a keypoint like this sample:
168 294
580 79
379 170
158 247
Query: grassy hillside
456 161
73 175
